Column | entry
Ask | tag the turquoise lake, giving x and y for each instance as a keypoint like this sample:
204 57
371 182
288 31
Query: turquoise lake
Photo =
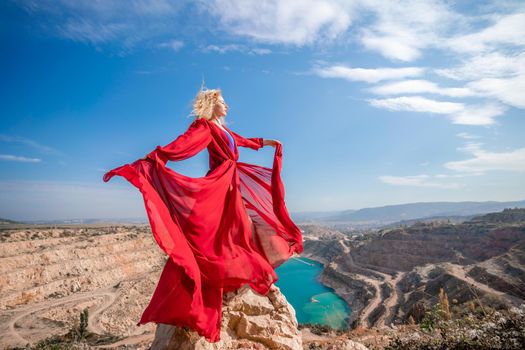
312 301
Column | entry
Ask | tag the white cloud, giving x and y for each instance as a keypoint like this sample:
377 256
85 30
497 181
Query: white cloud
478 115
480 162
459 113
260 51
487 65
288 22
400 30
175 45
506 30
470 147
125 23
222 49
12 158
369 75
483 160
453 176
31 143
86 31
493 75
493 58
417 104
417 181
509 91
467 136
420 86
401 45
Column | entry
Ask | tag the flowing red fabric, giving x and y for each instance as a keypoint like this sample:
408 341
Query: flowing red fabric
203 224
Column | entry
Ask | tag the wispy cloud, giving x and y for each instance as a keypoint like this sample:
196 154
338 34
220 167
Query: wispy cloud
486 65
422 180
480 162
452 176
467 136
478 114
493 62
222 49
417 104
483 160
43 149
493 59
459 113
286 22
12 158
508 91
126 24
86 31
505 30
420 86
369 75
401 35
174 45
493 75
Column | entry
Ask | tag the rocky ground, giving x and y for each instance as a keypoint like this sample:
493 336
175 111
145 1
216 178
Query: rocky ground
49 275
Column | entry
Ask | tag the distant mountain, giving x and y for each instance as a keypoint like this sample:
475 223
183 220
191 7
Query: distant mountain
444 219
401 212
315 216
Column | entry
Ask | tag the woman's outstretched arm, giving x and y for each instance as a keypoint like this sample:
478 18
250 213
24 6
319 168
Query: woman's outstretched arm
191 142
253 142
250 142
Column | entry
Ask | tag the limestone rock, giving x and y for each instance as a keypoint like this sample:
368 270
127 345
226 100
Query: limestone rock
249 321
346 345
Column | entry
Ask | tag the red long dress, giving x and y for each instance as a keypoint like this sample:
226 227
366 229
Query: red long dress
203 225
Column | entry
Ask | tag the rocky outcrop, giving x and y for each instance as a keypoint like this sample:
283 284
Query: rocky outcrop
321 249
38 265
355 292
249 321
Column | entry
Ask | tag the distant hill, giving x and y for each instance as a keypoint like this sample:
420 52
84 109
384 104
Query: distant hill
376 216
507 216
79 221
443 219
315 216
7 221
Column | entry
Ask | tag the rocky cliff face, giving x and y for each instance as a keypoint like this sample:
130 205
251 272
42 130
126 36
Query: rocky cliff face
49 275
389 277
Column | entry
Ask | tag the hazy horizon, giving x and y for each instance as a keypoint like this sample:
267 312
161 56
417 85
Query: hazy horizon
145 218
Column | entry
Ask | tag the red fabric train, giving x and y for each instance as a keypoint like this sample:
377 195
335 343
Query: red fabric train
203 225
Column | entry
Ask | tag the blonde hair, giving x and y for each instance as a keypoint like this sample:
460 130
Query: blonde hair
204 103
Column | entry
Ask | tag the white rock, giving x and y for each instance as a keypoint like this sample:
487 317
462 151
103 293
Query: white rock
249 321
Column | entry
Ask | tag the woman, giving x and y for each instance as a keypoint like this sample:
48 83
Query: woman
221 231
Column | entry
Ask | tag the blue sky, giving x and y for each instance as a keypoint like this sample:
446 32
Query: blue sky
375 102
